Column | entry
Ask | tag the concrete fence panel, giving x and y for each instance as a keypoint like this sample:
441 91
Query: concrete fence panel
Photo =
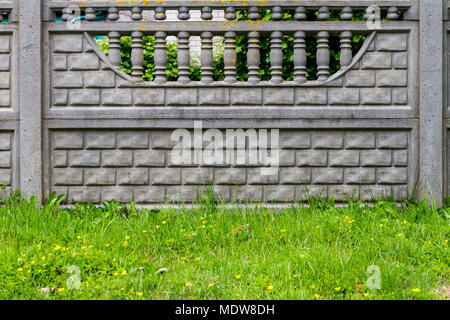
74 122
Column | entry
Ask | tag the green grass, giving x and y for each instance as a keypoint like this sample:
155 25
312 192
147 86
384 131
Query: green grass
316 252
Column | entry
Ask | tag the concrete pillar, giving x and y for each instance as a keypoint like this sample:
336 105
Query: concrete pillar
30 95
431 97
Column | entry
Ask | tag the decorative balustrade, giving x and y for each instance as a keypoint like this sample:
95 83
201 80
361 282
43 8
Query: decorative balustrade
320 19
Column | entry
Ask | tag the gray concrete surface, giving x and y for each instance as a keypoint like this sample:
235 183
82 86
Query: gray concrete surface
74 123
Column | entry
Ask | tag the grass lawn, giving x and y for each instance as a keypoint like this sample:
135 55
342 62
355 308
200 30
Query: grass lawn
316 252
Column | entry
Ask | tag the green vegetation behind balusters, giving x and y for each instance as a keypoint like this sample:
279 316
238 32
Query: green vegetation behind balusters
241 51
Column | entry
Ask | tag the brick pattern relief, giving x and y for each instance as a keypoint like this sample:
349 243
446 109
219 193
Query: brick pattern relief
448 158
380 78
5 71
81 79
78 73
136 165
6 163
447 113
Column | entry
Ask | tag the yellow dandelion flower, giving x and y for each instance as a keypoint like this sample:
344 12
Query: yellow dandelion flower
381 225
43 258
33 262
366 294
197 259
283 230
78 237
157 227
125 243
127 237
20 269
139 294
164 222
400 235
337 289
316 295
107 245
124 272
115 274
270 288
83 247
211 285
238 276
312 286
57 247
187 284
416 290
144 231
60 289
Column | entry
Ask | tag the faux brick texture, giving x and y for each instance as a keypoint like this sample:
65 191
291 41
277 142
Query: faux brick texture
137 163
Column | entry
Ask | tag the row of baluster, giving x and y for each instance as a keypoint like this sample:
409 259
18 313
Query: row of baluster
230 13
253 56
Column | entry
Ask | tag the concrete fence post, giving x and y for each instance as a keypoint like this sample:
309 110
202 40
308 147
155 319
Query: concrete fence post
30 95
431 97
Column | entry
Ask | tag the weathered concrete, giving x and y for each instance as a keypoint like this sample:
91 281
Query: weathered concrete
30 55
431 97
72 122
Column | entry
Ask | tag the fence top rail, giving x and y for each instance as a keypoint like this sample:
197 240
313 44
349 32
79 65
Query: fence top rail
221 27
198 4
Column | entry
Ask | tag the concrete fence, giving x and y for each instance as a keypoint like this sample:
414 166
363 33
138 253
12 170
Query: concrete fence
72 122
